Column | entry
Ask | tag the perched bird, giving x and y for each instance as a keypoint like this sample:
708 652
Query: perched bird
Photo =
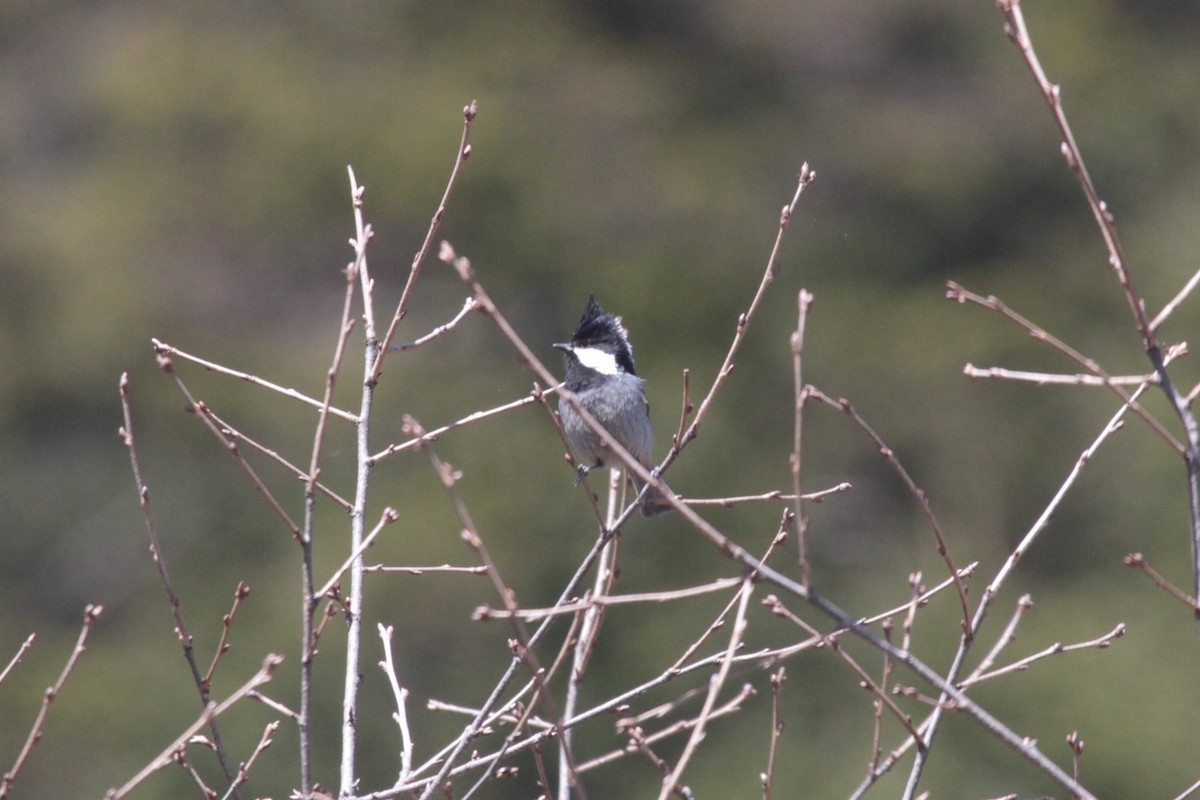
600 374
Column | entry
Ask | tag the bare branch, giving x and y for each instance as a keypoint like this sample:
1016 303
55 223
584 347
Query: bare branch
90 615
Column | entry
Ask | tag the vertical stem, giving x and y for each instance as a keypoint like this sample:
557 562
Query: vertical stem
306 634
354 600
804 301
588 630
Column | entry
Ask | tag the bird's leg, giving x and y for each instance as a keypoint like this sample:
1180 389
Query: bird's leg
581 472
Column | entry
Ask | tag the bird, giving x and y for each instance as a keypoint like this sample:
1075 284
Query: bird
601 375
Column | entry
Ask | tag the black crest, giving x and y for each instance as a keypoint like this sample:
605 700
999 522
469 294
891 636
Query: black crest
598 328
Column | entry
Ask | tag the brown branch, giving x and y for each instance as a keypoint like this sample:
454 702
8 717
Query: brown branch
432 436
211 712
90 615
1138 561
958 294
239 594
806 177
164 349
460 159
1018 33
768 778
181 631
916 491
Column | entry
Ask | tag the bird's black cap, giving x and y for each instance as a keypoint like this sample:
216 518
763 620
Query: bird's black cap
597 328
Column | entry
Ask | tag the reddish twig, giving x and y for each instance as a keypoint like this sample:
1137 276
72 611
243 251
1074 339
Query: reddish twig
460 159
90 615
916 491
239 594
181 631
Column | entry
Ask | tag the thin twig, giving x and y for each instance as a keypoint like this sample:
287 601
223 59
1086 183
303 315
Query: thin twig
239 594
388 665
775 494
230 446
916 491
181 631
1170 307
640 740
768 778
244 770
804 302
164 349
486 612
1044 378
1018 33
958 294
235 434
440 330
1099 643
211 712
714 688
1024 603
424 570
90 615
806 177
1138 561
309 600
388 516
460 159
589 623
433 435
16 659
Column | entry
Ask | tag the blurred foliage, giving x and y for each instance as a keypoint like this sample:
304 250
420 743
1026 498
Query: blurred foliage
178 171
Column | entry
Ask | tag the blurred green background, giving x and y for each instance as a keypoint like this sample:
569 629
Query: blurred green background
178 171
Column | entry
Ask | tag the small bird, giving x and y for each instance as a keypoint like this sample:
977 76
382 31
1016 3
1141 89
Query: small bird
600 374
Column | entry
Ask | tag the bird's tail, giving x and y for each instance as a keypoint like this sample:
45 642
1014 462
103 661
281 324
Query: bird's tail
655 502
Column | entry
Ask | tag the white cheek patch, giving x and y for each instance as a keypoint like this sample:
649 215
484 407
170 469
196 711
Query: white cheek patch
600 360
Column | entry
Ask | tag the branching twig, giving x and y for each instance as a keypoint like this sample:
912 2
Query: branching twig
244 770
916 491
388 665
90 615
213 711
806 177
181 631
239 594
1014 26
1099 643
958 294
167 365
714 688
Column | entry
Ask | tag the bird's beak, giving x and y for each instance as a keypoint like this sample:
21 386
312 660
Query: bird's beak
566 348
